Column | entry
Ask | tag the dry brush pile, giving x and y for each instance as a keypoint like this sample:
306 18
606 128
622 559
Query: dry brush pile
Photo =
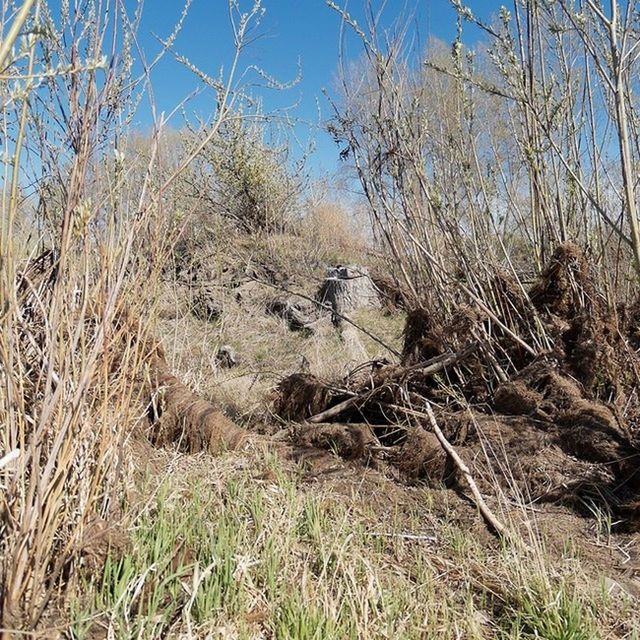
473 164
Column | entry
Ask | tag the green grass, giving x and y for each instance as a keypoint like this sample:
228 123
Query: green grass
558 615
219 552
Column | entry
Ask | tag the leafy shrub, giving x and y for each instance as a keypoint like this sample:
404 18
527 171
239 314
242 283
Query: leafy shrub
247 180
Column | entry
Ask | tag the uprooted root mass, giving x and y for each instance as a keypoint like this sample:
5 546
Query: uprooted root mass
542 402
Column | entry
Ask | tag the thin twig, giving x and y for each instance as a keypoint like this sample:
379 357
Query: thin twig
487 514
403 536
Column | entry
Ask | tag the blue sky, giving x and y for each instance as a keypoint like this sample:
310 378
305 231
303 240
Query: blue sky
293 34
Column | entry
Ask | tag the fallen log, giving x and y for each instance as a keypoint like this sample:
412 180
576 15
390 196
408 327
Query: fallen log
179 416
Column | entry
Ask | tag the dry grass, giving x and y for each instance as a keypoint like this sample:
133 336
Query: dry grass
74 322
333 233
268 350
248 546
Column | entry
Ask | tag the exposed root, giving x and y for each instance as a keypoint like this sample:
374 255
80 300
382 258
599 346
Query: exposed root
421 457
181 417
566 283
392 294
349 441
422 341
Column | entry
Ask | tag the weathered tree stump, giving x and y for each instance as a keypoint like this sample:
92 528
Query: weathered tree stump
347 288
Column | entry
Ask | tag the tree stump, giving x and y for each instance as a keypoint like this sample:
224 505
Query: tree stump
347 288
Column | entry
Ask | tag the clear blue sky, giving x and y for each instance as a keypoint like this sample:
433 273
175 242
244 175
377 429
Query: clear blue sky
291 32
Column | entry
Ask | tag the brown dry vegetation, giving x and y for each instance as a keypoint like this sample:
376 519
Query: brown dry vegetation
578 432
550 453
460 461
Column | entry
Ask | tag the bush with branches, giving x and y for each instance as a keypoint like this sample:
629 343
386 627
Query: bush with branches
77 298
245 180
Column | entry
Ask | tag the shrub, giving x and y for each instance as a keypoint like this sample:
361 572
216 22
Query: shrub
246 180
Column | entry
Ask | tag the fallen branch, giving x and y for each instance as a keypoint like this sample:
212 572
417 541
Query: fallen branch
487 514
332 412
434 365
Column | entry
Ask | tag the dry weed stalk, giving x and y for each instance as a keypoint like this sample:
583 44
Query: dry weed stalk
477 164
74 323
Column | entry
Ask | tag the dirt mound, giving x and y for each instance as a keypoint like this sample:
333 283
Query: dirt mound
350 441
566 284
630 322
301 396
585 330
420 457
528 461
541 391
